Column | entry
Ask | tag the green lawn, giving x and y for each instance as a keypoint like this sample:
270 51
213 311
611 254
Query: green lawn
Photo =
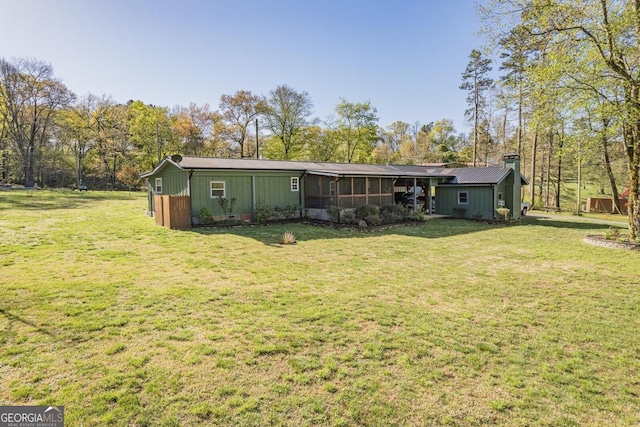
448 323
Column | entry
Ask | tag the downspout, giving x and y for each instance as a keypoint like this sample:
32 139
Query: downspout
300 195
337 196
190 200
493 200
253 194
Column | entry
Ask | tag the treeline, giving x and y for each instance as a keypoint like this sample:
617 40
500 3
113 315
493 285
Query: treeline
567 99
571 82
51 137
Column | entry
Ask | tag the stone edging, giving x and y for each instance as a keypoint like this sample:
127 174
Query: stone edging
598 240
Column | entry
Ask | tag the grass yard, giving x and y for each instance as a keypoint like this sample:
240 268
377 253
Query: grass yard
448 323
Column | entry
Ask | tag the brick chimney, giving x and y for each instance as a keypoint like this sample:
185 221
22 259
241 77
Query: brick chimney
513 188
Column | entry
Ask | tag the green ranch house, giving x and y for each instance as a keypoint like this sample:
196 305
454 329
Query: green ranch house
314 186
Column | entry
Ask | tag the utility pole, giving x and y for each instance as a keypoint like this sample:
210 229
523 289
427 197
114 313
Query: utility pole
158 143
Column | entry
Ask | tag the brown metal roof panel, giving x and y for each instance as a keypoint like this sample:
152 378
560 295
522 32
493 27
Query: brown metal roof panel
486 175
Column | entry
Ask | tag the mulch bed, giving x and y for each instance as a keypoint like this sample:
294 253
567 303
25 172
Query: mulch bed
599 240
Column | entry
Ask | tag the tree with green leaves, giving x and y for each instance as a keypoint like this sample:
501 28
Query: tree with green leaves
238 113
476 82
287 114
602 39
30 98
357 125
193 130
150 131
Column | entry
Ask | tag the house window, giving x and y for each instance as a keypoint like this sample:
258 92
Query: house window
500 200
158 185
295 183
218 190
463 198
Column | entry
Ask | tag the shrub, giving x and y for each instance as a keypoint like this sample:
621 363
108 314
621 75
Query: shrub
347 217
334 213
416 215
503 214
373 220
612 233
263 212
392 214
364 211
227 205
205 216
287 211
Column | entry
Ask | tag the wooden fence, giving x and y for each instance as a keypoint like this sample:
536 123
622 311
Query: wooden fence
605 205
173 211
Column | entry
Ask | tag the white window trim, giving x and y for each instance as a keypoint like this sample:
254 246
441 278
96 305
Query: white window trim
295 183
463 192
158 184
224 189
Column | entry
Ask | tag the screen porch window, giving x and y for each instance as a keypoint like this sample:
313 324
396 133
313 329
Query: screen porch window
218 190
158 185
295 183
463 198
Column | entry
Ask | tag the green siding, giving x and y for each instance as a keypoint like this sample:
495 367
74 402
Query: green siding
480 201
236 187
275 191
174 182
272 188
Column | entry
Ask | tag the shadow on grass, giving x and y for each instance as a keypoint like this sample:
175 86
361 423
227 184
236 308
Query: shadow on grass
567 224
271 234
33 200
12 318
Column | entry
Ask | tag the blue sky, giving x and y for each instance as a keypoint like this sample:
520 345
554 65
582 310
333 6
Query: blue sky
405 56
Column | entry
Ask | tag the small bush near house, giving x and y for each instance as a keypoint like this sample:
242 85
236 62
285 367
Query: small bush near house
503 214
347 217
393 214
364 211
263 213
334 213
415 215
227 205
373 220
205 216
287 212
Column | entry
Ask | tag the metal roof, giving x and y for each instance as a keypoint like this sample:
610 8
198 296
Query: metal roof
460 176
323 168
485 175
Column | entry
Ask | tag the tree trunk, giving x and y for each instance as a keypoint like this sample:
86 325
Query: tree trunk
548 190
559 180
532 187
632 140
607 165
